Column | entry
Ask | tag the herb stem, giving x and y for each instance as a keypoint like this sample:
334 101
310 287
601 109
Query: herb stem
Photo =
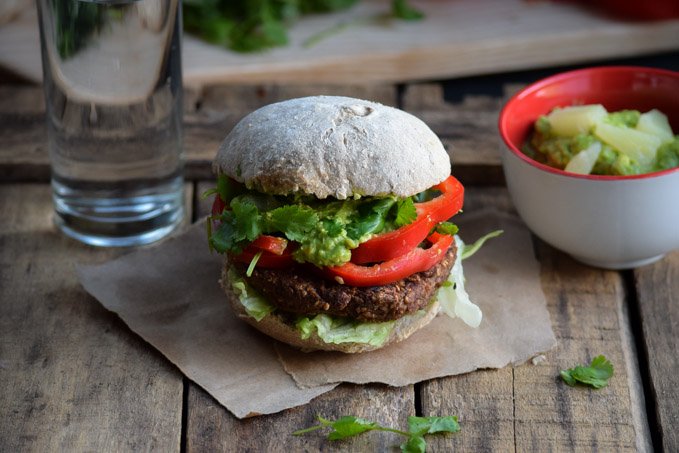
253 263
391 430
308 430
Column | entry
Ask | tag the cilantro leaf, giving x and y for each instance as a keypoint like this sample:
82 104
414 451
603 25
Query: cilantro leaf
415 444
430 425
406 212
596 374
293 220
568 377
418 427
371 218
349 426
208 192
447 228
240 225
247 26
246 219
332 227
402 10
225 239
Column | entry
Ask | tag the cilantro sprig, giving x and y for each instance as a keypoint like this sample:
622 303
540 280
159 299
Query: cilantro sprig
418 427
596 374
255 25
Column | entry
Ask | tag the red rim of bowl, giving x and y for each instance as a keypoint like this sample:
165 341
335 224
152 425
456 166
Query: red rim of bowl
566 75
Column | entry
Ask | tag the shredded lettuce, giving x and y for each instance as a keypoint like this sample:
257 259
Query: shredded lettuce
255 305
339 330
469 250
453 298
328 328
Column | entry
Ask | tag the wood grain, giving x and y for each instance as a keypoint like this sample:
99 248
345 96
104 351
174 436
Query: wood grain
657 288
528 408
455 39
74 377
483 403
586 309
467 129
211 428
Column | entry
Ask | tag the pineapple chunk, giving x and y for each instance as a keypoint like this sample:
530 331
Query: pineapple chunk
584 161
638 146
655 122
579 119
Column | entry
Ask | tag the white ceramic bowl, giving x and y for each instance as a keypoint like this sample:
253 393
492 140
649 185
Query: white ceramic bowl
613 222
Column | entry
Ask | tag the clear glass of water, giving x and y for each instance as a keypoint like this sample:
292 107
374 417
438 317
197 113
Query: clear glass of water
113 92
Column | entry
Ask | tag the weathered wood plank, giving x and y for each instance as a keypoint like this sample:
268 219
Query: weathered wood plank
528 408
212 428
658 298
74 377
483 403
586 306
468 129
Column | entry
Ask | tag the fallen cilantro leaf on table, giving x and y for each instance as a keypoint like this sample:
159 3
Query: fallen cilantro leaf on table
596 374
349 426
431 425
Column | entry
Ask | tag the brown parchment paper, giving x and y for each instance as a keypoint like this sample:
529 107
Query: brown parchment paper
170 296
503 278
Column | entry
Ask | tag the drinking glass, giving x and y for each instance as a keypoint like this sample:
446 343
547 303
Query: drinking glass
113 95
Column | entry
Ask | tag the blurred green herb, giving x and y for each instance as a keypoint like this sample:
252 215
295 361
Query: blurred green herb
74 22
418 427
254 25
596 374
402 10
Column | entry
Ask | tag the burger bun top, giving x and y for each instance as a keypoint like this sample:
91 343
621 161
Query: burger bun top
331 146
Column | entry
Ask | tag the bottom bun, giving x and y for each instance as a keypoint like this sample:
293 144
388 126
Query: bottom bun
277 327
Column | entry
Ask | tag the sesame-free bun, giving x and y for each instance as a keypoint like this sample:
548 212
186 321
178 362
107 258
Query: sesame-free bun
331 146
276 326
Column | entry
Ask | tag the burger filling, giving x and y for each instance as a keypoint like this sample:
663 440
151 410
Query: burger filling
344 269
299 290
364 241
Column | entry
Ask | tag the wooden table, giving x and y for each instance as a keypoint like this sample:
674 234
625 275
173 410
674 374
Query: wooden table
73 377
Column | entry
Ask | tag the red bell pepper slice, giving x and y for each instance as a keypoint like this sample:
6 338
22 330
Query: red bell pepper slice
390 245
218 206
417 260
272 244
266 260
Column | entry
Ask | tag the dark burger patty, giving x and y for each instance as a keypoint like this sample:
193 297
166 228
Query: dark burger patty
300 290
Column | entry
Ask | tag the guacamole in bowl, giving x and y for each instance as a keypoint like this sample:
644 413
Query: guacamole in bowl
587 139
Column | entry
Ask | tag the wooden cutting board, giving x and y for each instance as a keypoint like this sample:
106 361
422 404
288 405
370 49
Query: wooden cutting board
457 38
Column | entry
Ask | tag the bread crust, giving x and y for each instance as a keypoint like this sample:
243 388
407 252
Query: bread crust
276 327
333 146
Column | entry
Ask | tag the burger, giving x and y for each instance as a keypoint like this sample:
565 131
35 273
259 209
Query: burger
333 217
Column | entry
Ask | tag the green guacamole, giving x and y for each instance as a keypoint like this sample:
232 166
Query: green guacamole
557 151
325 230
